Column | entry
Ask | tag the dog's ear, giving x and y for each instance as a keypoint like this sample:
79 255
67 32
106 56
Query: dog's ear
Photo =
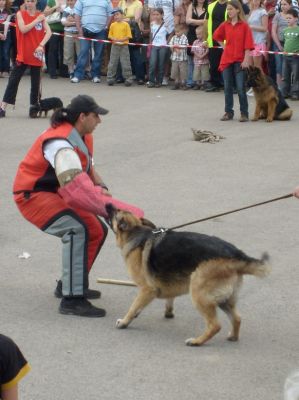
147 222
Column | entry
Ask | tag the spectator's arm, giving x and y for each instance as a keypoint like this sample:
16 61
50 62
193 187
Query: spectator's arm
275 36
263 27
78 24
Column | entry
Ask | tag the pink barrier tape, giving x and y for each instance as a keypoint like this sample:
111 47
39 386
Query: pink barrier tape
152 45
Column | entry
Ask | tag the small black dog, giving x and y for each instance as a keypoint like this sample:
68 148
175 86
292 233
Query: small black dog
45 105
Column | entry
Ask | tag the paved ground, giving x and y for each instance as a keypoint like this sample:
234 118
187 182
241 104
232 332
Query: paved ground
145 152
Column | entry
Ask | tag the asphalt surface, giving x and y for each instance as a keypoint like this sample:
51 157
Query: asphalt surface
145 151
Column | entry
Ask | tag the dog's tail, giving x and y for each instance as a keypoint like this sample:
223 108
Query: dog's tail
259 268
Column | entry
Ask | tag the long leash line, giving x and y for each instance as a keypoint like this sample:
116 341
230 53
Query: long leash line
162 230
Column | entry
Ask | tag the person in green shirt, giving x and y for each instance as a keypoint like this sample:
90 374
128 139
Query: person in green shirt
290 67
54 58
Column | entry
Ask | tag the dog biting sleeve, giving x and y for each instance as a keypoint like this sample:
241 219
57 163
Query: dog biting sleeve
82 193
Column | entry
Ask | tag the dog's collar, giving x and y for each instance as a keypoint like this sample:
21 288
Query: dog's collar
159 231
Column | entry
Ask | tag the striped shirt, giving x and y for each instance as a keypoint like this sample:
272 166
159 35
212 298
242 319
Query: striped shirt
179 54
94 14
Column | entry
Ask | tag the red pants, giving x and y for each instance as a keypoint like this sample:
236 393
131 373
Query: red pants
81 232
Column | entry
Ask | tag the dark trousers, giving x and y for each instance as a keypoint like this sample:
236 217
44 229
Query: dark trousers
55 57
5 53
214 59
14 80
290 76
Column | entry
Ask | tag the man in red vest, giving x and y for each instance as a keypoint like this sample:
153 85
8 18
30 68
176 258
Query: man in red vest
58 190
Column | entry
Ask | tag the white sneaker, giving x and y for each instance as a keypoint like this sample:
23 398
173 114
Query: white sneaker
75 80
96 80
165 81
250 92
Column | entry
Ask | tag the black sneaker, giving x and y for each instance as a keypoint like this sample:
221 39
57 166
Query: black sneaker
89 293
81 307
34 111
2 113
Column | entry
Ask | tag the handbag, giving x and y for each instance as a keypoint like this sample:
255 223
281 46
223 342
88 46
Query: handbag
149 47
54 17
136 32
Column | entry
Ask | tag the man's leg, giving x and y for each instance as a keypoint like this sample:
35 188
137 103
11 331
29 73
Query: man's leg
98 54
82 59
82 235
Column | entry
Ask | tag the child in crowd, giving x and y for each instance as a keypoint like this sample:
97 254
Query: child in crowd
200 51
290 67
119 33
13 367
158 49
237 36
71 46
258 22
5 39
179 60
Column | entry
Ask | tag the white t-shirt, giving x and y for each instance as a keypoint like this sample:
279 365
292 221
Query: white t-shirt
52 147
160 37
168 7
255 18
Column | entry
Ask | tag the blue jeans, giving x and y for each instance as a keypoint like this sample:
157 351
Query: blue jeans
5 53
84 54
290 76
234 73
157 61
190 71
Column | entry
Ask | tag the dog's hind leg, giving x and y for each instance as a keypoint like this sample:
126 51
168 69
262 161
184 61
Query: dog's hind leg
209 312
144 297
229 307
169 308
285 115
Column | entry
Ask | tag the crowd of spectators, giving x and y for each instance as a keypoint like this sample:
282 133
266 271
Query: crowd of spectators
80 59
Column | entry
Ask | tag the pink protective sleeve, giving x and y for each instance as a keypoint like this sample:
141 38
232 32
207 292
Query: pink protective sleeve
82 193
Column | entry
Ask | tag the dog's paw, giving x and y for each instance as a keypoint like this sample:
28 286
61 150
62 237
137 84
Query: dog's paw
169 314
232 338
191 342
254 119
269 119
120 324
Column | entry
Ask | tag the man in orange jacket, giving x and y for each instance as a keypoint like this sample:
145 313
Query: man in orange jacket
58 190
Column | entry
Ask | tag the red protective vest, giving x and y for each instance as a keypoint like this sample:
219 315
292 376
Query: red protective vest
36 174
29 41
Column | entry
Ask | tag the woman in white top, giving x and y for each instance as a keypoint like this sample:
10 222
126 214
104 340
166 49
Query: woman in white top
278 25
258 22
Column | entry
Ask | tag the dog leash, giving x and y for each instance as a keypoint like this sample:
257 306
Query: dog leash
163 230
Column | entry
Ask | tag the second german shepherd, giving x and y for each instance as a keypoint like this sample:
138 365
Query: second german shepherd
168 264
270 103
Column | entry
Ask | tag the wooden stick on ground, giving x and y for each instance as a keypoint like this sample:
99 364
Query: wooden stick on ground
115 282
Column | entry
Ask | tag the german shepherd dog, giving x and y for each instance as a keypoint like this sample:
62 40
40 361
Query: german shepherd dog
168 264
270 103
44 106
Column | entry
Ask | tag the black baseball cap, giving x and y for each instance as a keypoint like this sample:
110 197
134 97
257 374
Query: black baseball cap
85 104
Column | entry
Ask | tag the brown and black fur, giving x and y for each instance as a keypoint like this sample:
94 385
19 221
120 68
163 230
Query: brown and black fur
270 103
169 264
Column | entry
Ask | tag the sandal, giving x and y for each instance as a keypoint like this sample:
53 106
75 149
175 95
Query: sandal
227 117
